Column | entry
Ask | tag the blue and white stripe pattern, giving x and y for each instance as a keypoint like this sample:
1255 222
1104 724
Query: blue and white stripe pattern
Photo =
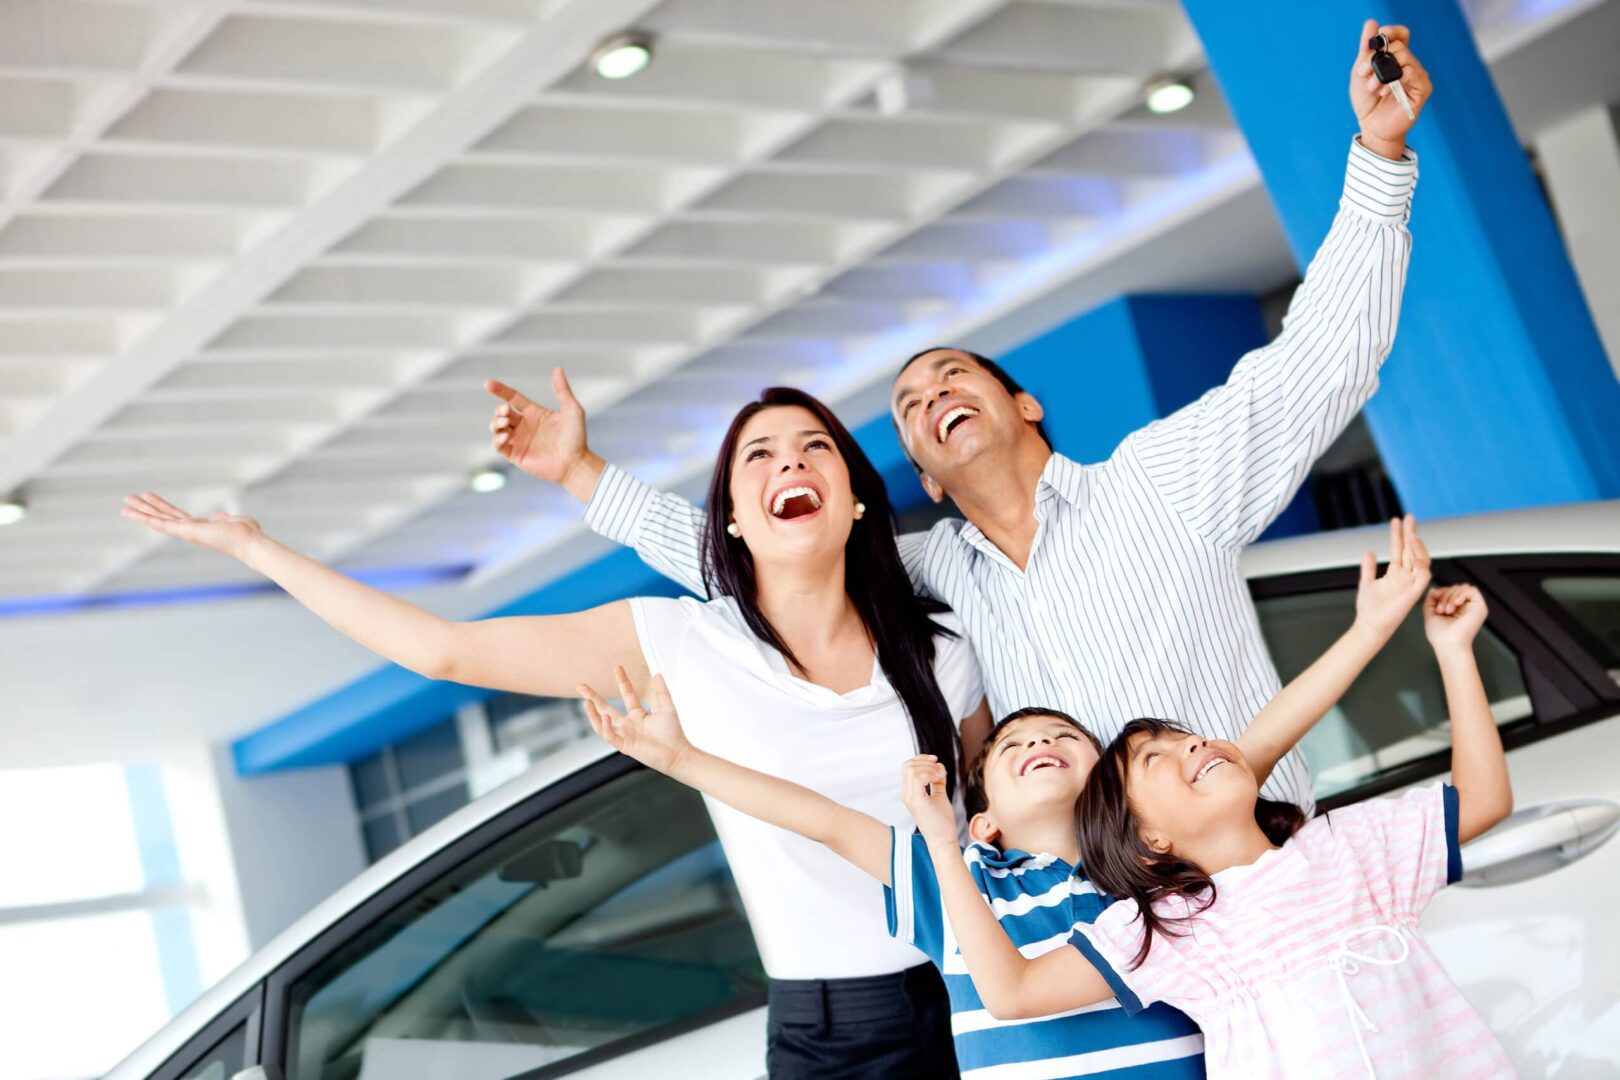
1133 602
1039 899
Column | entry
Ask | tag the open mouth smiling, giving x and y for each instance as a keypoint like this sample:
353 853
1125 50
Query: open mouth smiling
953 419
795 502
1208 766
1042 761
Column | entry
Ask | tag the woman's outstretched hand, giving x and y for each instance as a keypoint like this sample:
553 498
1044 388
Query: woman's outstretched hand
231 534
653 737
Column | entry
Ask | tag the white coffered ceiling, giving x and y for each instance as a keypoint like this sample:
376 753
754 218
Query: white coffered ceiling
262 253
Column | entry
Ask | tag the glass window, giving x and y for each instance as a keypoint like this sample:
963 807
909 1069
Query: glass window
536 727
381 835
225 1060
610 916
1588 605
431 809
428 755
370 776
57 973
79 840
1396 711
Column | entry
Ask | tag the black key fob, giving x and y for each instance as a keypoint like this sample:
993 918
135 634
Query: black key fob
1384 65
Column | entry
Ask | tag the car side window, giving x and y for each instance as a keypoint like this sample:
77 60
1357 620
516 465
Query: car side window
1586 603
597 924
225 1060
221 1048
1395 712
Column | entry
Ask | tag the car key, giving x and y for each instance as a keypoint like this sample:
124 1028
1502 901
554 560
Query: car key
1387 69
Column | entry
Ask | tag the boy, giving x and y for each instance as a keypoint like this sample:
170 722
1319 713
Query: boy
1020 795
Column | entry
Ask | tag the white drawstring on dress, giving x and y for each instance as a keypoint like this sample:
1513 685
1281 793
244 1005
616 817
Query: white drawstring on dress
1346 961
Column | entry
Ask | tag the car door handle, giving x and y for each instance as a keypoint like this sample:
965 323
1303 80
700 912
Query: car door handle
1538 840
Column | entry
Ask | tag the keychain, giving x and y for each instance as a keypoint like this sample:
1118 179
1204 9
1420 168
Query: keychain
1388 71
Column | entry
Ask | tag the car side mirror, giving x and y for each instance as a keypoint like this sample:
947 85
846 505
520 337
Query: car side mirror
554 860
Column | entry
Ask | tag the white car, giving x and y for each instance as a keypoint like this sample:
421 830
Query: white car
582 921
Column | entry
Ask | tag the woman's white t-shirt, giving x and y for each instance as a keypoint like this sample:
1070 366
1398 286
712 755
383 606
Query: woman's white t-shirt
814 915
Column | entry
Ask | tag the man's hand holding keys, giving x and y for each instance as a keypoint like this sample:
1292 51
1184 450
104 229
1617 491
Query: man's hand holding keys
1386 105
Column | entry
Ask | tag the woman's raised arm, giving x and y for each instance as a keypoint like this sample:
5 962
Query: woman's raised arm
545 655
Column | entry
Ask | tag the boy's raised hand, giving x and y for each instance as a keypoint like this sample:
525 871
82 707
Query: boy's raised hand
1383 602
653 738
922 789
1452 616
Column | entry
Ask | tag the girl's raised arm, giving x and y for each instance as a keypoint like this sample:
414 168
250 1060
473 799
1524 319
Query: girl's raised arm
1011 986
1382 604
544 655
654 737
1452 617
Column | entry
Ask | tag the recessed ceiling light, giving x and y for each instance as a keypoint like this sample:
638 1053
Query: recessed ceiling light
12 510
485 481
1168 96
622 55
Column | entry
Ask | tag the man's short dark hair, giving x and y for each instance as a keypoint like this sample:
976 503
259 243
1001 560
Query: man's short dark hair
974 798
996 371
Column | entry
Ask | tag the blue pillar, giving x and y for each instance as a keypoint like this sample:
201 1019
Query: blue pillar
1497 393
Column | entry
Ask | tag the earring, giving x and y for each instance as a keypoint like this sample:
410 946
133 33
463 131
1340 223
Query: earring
734 529
860 510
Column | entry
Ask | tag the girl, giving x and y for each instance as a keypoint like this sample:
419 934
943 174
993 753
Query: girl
1294 945
815 661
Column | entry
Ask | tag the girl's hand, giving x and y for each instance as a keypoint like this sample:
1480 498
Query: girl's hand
922 789
232 534
653 738
1383 122
1383 602
1452 616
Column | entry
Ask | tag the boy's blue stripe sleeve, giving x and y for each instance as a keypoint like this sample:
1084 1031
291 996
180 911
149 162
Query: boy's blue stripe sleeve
911 900
1454 864
1127 999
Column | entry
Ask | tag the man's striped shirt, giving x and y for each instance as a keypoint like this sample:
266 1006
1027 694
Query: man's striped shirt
1133 602
1039 900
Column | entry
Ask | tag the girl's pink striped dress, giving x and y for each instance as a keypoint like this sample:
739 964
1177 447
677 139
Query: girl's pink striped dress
1309 963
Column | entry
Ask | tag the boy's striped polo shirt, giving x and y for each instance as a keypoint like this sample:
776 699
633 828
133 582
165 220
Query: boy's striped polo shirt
1039 899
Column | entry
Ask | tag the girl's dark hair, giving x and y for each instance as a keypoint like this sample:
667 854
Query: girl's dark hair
895 616
1119 862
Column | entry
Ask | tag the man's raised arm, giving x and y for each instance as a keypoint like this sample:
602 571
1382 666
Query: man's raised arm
1229 462
549 444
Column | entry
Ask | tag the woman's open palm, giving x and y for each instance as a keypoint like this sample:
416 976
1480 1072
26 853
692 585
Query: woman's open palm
228 533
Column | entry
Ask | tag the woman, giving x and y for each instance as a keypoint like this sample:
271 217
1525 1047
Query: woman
815 662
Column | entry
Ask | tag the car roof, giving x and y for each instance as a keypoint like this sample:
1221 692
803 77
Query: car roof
1584 528
1592 527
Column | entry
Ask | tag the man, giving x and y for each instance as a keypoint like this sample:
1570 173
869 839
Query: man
1047 573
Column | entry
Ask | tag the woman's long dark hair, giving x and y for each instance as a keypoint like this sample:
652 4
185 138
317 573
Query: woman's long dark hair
895 616
1119 862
